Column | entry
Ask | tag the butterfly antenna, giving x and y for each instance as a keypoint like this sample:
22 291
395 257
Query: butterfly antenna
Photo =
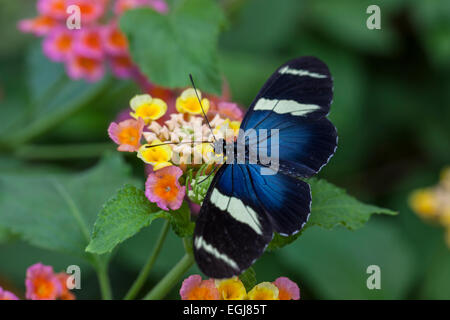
166 143
209 175
201 106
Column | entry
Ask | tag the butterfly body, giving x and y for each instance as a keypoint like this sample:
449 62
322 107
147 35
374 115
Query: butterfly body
249 199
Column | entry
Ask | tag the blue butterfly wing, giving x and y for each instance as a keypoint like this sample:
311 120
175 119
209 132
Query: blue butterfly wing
231 230
284 200
239 214
295 100
243 207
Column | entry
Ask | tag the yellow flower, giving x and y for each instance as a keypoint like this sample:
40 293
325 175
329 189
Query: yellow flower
206 150
158 156
188 102
227 129
264 291
231 289
423 202
147 108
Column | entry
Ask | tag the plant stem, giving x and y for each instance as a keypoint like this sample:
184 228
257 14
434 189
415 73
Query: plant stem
103 279
163 287
57 152
143 275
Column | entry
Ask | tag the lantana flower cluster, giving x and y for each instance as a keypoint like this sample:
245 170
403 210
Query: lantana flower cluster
194 288
433 203
42 283
84 50
172 147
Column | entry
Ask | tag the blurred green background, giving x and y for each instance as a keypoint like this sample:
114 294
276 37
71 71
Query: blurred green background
391 108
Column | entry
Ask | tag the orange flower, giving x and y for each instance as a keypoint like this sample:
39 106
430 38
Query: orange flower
58 44
287 289
81 67
127 134
114 40
162 187
194 288
65 292
41 283
41 25
52 8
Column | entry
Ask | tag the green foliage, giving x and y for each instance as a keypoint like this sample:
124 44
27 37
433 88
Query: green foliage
437 274
181 221
248 278
121 218
56 212
168 48
127 213
52 97
346 22
5 235
333 264
433 20
199 184
332 206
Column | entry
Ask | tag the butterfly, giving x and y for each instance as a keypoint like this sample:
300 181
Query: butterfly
243 207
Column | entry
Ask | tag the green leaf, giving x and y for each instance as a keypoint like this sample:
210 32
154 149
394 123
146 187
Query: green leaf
57 212
121 218
127 213
332 206
248 278
181 221
169 47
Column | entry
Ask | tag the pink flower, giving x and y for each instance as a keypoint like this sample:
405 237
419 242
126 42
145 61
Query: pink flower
194 288
53 8
159 5
288 290
7 295
80 67
229 110
41 283
162 187
122 66
88 43
39 26
91 10
127 134
114 41
58 44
